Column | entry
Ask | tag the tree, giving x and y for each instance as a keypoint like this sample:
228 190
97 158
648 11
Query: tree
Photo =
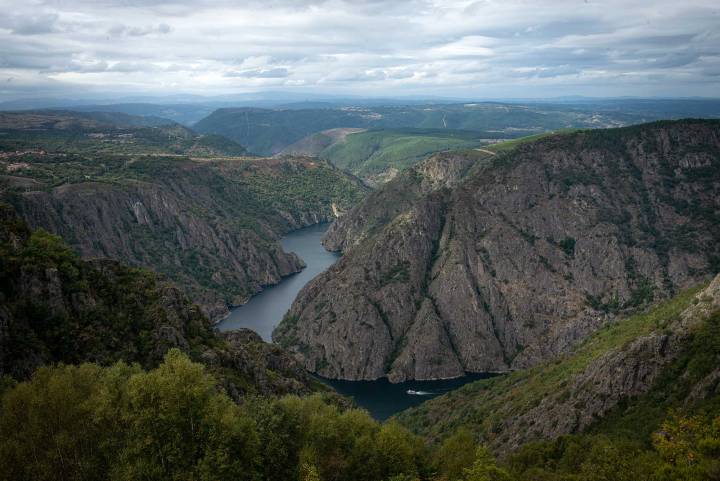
455 454
47 427
309 472
177 423
690 447
484 468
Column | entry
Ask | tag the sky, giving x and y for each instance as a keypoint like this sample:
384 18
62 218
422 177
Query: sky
373 48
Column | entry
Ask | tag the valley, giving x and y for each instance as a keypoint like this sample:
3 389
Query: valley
377 156
420 240
209 223
267 131
265 310
490 302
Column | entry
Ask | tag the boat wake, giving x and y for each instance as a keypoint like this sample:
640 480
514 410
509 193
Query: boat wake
418 393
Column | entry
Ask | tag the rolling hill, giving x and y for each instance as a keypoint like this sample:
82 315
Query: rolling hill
269 131
377 155
106 133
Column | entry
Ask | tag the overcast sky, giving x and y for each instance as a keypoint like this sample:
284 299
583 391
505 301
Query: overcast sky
482 49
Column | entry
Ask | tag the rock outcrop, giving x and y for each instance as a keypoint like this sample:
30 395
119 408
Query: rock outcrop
211 226
494 264
620 374
54 307
660 360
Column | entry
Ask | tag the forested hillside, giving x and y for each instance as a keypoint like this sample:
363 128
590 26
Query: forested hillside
641 392
55 307
106 133
378 155
172 422
269 131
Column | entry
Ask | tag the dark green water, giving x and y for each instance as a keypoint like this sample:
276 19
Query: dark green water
383 399
264 311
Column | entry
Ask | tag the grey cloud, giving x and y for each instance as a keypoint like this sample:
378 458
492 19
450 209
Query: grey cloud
132 67
260 73
160 29
31 24
350 45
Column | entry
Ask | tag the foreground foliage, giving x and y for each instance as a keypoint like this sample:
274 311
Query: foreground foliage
87 422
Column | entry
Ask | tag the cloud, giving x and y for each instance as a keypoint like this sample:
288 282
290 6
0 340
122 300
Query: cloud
375 47
30 24
140 31
260 73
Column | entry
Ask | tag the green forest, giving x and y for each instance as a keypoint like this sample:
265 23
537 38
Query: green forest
88 422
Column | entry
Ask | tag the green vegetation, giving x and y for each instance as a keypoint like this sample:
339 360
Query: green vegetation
52 296
656 436
509 145
130 141
482 405
568 246
89 423
398 273
375 151
106 133
54 307
669 433
265 131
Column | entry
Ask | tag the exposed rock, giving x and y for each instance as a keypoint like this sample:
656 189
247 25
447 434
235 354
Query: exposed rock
616 375
648 360
201 223
522 255
55 307
270 369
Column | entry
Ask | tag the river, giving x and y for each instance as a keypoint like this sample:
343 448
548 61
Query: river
265 310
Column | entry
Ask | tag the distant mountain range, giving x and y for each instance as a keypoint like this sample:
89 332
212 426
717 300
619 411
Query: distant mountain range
269 131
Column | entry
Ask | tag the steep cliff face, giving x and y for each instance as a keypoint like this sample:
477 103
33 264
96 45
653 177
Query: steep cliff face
150 225
211 226
441 171
528 253
166 198
55 307
639 367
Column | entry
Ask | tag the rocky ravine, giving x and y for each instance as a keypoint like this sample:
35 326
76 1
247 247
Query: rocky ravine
212 227
619 374
55 308
661 360
523 256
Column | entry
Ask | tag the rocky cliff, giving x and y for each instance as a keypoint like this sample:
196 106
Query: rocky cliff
637 368
492 264
55 307
166 198
211 226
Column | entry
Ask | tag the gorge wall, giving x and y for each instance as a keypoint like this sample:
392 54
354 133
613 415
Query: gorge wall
472 262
